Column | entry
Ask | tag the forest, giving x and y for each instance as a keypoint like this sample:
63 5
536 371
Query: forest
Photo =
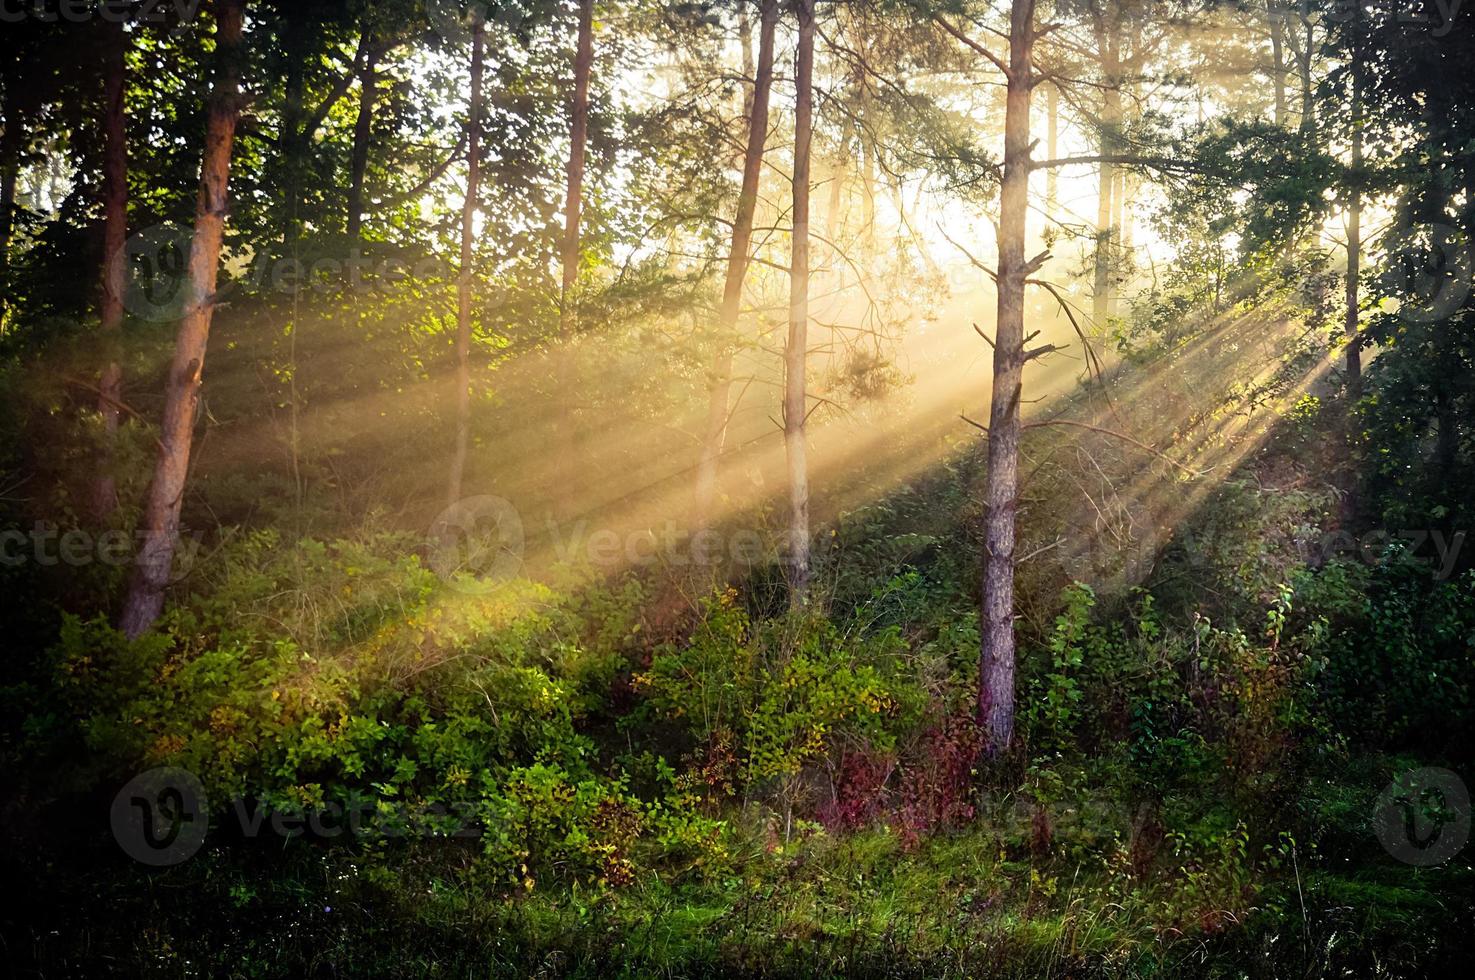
743 488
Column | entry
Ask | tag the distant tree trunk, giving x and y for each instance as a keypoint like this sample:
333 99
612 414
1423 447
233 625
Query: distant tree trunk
1111 121
12 139
292 139
573 205
1052 150
181 398
737 268
115 235
1001 491
363 130
464 274
1278 59
1305 51
796 349
1354 239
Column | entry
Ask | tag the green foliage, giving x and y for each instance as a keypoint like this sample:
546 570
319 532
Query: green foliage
787 693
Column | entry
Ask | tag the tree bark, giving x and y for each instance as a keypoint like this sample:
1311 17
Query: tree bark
166 494
737 268
796 349
1354 238
1001 491
464 273
363 128
115 236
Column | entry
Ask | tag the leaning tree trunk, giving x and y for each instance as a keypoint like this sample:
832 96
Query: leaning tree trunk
181 398
572 208
996 661
463 278
798 342
737 268
115 235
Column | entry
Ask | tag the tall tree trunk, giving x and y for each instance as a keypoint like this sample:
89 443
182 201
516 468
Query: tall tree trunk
292 139
737 268
1354 238
166 494
1105 229
1052 150
572 207
464 274
115 235
12 139
996 660
796 349
1277 17
1305 51
363 129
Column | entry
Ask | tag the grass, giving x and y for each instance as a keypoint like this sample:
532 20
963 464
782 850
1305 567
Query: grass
859 904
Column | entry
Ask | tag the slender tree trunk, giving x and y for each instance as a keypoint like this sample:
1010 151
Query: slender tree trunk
795 351
573 205
996 661
737 268
166 494
115 235
1105 230
12 138
293 140
1052 150
363 129
1354 239
1278 59
464 274
1305 51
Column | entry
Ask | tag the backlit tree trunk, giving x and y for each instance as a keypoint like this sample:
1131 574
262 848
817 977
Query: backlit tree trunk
115 235
166 493
1052 150
737 268
996 661
1354 238
363 128
464 274
573 206
796 349
1111 117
